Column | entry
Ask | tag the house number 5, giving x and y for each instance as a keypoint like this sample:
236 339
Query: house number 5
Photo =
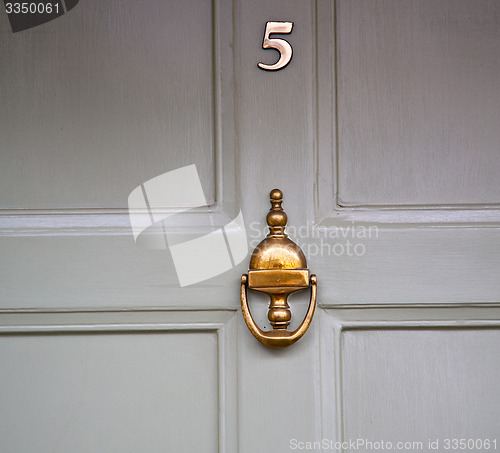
283 47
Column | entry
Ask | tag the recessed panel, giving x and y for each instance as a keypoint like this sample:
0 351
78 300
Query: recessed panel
104 98
420 385
418 102
109 392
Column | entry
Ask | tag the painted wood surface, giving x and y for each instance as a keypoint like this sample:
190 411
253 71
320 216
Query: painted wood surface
409 374
104 98
418 98
69 270
84 382
118 381
420 384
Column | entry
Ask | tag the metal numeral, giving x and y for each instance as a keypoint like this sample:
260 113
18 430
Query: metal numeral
282 46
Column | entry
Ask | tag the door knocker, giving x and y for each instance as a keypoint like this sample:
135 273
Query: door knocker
278 268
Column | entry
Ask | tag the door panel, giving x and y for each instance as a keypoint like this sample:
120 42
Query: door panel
118 381
78 380
420 384
413 374
98 103
418 102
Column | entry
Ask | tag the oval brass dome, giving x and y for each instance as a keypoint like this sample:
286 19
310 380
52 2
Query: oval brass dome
278 253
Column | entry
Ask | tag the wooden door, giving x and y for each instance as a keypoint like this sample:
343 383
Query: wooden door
382 134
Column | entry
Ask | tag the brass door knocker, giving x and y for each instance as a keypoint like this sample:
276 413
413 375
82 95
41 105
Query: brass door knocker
278 268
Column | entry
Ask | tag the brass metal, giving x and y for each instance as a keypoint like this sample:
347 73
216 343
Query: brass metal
278 268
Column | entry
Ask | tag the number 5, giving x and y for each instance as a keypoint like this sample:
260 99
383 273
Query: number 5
282 46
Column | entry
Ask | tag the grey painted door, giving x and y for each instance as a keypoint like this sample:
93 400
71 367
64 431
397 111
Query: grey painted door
381 132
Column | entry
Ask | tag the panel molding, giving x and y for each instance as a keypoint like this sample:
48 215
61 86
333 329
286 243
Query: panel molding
329 210
104 222
222 323
334 322
115 221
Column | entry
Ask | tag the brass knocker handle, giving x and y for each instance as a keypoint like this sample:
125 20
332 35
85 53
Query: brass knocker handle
277 338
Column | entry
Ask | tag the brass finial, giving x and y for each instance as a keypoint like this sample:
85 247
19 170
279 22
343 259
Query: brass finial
276 217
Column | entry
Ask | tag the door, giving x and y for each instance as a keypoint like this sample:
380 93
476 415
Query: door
138 147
